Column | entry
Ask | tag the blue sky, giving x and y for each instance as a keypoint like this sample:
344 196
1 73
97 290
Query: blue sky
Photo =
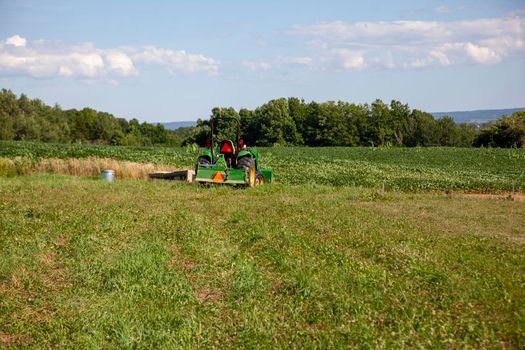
175 60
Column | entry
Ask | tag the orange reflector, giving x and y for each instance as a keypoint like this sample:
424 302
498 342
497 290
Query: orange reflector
225 148
217 177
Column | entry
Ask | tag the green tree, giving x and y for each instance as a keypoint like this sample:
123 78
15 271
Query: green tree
399 114
250 126
508 131
134 136
298 111
82 124
310 124
467 134
199 135
449 133
421 130
335 125
382 130
226 121
277 126
6 126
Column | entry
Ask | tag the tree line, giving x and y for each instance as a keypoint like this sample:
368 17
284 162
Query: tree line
285 122
294 122
22 118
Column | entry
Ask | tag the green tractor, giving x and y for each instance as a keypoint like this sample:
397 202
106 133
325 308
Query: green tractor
230 162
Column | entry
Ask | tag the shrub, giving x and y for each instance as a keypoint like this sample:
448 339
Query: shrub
7 167
23 166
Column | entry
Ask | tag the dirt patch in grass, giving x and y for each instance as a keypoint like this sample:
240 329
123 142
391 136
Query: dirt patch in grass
33 293
186 265
189 264
519 197
63 242
53 278
189 269
10 339
15 286
179 261
209 295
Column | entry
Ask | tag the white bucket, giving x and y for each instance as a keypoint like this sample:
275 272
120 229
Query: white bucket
108 175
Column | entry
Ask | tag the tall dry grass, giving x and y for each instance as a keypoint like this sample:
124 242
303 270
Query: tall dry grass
80 167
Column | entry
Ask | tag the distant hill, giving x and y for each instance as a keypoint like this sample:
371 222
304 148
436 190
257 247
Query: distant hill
176 125
478 116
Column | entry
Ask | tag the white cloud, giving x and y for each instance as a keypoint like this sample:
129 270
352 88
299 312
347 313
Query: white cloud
417 44
279 62
443 9
47 59
44 59
440 56
347 59
301 60
178 61
403 32
258 65
482 54
120 63
16 40
88 64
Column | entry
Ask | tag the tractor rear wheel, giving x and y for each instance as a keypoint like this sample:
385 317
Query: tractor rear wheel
247 163
259 179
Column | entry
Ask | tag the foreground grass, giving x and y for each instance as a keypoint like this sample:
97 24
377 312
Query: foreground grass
139 264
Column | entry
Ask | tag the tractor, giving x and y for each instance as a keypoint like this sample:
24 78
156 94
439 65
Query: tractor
229 162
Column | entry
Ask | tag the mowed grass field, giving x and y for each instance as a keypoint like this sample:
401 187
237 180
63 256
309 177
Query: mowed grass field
141 264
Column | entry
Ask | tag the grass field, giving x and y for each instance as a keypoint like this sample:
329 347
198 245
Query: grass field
406 169
137 264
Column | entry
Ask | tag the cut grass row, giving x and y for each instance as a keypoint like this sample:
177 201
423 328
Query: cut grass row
79 167
406 169
89 265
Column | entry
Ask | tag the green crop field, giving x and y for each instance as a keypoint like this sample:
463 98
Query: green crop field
407 169
141 264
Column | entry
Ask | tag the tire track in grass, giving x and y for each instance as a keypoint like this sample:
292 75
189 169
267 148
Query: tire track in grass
167 265
424 268
252 271
299 286
204 259
237 276
34 278
465 244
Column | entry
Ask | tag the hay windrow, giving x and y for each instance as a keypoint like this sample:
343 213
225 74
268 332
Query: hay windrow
91 166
